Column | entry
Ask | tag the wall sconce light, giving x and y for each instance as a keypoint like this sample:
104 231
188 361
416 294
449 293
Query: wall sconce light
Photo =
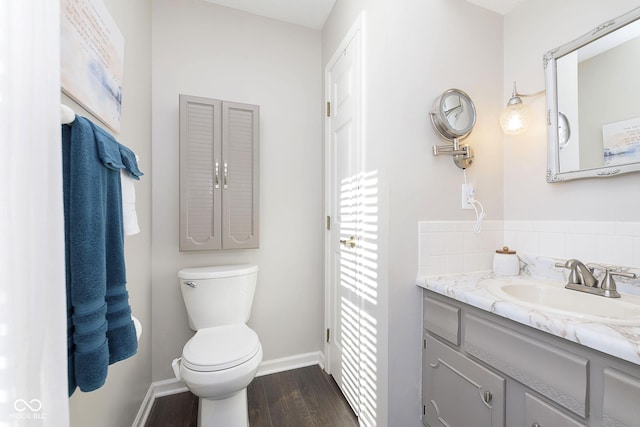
516 116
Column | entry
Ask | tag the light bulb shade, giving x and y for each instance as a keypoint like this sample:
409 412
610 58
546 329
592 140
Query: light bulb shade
515 119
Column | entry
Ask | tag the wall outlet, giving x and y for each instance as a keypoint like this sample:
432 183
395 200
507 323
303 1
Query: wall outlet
468 192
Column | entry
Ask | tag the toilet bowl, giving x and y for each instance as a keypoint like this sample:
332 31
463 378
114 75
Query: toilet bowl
219 361
217 365
223 356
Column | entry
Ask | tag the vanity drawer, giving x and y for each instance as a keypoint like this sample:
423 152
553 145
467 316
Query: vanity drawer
620 404
442 319
540 414
558 375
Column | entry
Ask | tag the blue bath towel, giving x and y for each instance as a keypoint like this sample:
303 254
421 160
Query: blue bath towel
129 161
99 325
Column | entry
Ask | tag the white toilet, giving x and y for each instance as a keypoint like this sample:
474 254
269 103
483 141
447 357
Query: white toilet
222 358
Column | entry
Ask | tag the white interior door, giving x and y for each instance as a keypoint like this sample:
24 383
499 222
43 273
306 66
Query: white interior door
343 246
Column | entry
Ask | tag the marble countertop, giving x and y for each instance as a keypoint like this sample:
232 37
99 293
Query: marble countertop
620 341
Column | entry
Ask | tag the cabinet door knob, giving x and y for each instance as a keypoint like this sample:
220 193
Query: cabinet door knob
535 425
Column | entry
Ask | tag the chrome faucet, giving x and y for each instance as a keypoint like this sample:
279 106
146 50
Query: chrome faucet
581 279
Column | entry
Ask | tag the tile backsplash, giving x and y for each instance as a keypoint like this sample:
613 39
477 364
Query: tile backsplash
448 247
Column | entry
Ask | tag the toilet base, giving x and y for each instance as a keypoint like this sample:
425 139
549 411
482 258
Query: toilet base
230 412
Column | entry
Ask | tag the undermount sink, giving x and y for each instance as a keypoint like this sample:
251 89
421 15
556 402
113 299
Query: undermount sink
553 297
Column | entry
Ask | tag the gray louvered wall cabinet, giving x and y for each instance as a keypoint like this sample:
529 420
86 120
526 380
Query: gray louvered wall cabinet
219 174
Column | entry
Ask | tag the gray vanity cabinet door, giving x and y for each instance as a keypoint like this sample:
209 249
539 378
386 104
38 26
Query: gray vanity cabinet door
457 392
621 401
200 161
240 168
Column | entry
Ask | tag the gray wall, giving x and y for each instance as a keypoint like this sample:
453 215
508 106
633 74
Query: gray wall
410 61
211 51
118 401
534 28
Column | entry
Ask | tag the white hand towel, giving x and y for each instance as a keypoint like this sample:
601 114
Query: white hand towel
129 215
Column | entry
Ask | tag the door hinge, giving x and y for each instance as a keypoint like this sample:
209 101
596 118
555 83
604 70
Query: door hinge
328 222
328 335
328 109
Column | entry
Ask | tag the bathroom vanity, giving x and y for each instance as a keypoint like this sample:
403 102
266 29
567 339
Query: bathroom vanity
489 361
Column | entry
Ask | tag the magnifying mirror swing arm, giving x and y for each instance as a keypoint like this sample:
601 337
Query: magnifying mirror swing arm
462 155
454 149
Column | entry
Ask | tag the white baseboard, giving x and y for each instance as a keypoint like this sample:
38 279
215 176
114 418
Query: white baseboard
157 389
173 386
321 360
168 387
290 362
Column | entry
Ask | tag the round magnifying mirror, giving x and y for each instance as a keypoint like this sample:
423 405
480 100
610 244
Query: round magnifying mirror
453 114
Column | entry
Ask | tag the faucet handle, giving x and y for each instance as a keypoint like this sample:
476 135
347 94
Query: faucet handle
580 274
572 265
608 285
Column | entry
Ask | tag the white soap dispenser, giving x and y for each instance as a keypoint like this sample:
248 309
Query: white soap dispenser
506 262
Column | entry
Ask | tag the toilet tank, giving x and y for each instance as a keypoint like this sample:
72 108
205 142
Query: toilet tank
218 295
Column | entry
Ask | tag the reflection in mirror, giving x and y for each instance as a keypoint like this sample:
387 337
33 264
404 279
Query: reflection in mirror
593 113
453 115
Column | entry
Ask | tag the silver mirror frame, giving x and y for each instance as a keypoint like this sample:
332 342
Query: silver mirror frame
439 116
553 143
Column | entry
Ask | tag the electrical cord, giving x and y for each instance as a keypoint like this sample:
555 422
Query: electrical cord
475 204
477 227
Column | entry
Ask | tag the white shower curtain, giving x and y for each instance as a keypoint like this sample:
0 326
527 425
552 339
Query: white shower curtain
33 366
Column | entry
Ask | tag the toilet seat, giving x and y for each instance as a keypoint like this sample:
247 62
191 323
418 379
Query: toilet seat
220 347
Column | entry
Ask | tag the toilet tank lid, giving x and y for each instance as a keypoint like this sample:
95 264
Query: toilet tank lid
217 271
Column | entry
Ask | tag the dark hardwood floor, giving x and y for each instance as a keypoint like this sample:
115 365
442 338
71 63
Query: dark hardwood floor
305 397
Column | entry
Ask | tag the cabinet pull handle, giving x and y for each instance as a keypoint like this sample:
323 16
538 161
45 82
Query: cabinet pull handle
535 425
216 178
487 397
224 179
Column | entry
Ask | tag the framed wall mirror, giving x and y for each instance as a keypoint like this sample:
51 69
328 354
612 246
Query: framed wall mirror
593 102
